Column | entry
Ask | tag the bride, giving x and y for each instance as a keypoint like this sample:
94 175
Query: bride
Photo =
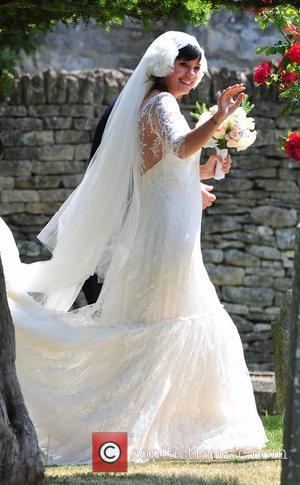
157 355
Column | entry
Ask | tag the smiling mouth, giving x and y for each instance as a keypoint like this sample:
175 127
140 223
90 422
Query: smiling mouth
186 83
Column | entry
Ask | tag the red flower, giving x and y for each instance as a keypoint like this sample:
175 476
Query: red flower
288 77
292 146
293 30
294 52
262 72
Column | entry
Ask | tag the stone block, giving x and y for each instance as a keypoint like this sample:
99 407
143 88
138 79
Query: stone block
71 181
20 153
220 224
235 309
255 173
260 280
6 183
28 220
22 124
82 152
99 89
44 110
243 325
26 89
72 136
264 252
262 346
230 244
72 89
212 255
254 162
31 138
240 258
246 295
225 275
10 110
282 284
58 167
37 182
19 196
38 89
86 89
77 110
55 152
54 195
264 231
84 124
14 168
11 208
56 86
113 81
286 173
290 122
15 96
285 238
278 185
233 185
28 248
274 216
42 207
251 238
57 122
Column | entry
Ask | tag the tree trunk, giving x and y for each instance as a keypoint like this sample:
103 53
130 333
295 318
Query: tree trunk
21 461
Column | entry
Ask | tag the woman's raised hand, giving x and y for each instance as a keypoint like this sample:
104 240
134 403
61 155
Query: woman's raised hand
227 104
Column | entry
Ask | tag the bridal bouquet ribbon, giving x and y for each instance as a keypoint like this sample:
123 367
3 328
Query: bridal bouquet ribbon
237 131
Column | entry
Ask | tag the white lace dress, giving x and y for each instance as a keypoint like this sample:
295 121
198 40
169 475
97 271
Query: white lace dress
163 361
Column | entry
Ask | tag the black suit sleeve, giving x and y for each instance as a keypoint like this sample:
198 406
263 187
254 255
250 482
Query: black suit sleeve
100 128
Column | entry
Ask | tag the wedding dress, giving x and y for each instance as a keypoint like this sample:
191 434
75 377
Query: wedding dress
162 360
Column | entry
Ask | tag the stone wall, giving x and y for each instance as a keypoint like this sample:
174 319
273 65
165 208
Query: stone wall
248 235
229 39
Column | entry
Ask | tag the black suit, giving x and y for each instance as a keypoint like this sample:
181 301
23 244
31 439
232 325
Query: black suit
91 287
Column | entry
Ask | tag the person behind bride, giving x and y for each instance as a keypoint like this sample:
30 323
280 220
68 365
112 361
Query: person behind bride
156 355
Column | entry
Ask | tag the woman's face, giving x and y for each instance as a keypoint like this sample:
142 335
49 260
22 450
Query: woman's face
183 78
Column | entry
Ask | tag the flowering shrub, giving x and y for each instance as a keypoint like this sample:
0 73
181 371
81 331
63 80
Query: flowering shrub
283 69
262 73
291 145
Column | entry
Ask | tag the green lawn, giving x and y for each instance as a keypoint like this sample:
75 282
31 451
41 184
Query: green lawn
273 425
242 471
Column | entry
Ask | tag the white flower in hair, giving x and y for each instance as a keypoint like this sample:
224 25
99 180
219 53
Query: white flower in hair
161 59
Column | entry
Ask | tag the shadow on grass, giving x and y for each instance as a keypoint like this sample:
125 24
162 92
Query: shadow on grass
142 478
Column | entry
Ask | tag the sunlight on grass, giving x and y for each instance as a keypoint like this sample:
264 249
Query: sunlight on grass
177 473
243 471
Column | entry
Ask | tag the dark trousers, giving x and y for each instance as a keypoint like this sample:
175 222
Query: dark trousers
91 289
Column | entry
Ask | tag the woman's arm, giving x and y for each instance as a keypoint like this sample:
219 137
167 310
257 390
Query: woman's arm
197 138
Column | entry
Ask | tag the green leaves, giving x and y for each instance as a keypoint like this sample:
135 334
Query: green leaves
198 110
246 104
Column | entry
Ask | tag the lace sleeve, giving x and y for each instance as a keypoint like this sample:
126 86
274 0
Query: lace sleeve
162 129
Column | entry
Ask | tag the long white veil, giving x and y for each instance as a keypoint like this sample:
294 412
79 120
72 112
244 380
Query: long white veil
100 217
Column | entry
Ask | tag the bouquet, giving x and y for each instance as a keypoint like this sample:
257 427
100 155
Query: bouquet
237 131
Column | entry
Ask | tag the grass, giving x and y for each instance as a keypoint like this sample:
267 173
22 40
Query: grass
273 425
243 471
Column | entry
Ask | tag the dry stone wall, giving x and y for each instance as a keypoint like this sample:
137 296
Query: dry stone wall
248 235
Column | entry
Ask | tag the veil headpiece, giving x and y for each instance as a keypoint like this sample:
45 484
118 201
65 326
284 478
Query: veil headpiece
94 229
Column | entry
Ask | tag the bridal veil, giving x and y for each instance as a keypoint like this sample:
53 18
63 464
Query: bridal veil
99 219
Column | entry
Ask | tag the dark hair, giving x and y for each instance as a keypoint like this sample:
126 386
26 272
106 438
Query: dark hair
187 53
